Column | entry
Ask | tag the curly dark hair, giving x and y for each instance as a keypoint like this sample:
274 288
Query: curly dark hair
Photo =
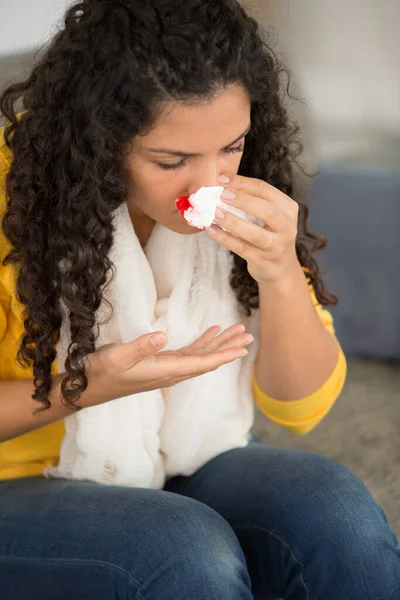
99 83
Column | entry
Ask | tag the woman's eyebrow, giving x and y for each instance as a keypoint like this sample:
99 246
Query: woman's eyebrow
186 154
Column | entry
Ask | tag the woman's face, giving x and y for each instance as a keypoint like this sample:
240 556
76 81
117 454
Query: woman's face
188 147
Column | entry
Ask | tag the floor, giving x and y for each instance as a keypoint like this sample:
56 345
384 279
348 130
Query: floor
362 431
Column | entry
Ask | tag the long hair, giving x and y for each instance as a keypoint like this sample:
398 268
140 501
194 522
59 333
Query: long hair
99 83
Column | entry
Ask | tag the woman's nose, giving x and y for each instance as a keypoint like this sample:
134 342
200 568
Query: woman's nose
206 177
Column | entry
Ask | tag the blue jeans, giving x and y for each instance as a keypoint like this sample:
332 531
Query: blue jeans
256 522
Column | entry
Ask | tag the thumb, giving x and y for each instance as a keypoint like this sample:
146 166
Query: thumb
146 345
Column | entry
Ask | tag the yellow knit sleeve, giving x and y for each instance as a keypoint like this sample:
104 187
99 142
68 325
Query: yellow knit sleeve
323 314
3 316
301 416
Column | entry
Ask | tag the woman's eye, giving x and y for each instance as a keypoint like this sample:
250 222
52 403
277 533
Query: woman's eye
234 150
182 163
171 167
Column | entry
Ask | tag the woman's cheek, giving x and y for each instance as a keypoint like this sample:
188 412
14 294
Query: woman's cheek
173 184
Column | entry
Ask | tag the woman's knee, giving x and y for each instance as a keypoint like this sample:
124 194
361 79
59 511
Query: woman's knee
330 505
128 542
190 548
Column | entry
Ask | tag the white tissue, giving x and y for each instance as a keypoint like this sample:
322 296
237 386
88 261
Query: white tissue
204 202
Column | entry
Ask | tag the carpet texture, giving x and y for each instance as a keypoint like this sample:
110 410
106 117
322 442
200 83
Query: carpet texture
362 431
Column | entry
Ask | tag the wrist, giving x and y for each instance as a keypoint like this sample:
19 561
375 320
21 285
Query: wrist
285 281
98 389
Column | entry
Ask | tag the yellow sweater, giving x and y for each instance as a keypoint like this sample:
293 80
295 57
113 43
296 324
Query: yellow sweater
29 454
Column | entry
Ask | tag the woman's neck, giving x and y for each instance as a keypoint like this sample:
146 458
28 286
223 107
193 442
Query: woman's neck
142 224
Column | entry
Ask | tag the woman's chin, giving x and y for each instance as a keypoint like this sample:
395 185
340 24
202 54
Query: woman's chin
180 226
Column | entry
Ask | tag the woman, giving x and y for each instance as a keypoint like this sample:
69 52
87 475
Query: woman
156 491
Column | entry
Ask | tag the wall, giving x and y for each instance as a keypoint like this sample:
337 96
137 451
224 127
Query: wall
345 56
27 23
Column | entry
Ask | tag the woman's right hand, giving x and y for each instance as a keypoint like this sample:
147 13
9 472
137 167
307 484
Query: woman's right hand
117 370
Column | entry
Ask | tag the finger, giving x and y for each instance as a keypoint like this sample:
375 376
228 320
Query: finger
183 366
253 187
212 341
146 345
265 210
235 244
258 198
211 362
225 337
250 232
206 338
239 341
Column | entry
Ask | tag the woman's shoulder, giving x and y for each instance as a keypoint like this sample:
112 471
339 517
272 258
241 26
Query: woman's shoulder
5 153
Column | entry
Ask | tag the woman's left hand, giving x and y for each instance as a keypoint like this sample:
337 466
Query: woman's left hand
270 251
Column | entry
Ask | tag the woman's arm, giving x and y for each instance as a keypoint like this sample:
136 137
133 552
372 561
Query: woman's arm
297 354
17 407
119 370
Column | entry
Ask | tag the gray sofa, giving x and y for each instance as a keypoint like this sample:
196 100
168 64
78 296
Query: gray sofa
358 209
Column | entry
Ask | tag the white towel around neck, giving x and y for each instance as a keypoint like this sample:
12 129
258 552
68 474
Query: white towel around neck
179 285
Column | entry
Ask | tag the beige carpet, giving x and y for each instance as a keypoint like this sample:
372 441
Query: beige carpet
362 431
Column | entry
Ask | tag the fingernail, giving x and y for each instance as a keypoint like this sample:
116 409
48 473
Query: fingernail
219 214
157 340
224 179
212 230
249 341
228 195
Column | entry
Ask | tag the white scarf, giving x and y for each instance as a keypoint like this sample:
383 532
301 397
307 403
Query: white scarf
179 285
